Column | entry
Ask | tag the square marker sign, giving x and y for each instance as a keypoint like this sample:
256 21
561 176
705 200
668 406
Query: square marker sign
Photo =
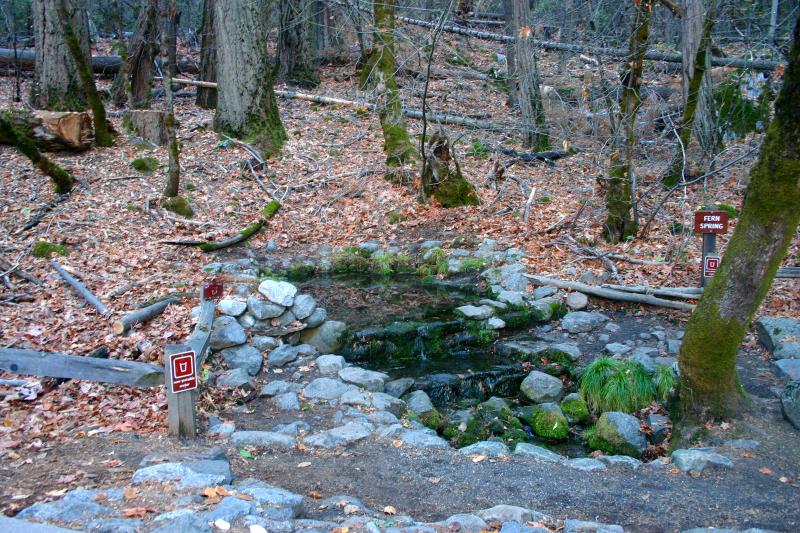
183 371
710 265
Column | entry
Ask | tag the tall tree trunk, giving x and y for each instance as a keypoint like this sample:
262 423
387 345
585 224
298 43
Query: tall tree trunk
296 63
119 94
166 17
141 55
529 92
621 223
699 18
709 384
57 85
379 72
206 96
773 19
102 135
246 106
171 29
511 62
698 107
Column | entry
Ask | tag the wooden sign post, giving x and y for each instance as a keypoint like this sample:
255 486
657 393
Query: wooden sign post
710 223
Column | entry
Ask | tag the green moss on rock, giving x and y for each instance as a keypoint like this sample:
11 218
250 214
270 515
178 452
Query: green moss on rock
145 164
46 249
575 409
550 424
178 205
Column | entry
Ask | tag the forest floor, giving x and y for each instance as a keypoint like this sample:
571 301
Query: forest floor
112 229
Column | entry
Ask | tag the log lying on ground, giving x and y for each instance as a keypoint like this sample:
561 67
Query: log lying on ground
609 293
106 65
755 64
788 272
39 216
59 365
686 293
50 130
62 180
535 157
81 289
124 324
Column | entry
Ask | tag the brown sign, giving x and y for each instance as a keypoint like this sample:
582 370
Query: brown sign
711 221
212 290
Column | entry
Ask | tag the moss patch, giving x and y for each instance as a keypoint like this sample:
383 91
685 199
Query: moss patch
576 410
178 205
145 164
46 249
549 424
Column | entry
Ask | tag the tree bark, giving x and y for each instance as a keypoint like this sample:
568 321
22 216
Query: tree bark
62 179
57 85
246 104
51 131
528 83
141 54
709 385
206 97
380 73
167 17
296 63
442 178
621 223
511 54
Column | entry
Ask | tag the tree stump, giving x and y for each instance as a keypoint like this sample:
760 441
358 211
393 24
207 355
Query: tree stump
440 180
148 124
52 131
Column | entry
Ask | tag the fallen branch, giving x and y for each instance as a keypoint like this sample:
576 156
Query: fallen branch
788 272
609 293
81 289
107 65
37 218
8 268
547 157
686 293
124 324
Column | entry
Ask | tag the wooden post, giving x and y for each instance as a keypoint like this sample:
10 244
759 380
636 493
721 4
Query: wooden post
180 405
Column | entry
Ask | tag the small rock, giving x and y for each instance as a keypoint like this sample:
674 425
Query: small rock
274 388
326 389
659 424
611 327
742 444
582 322
288 401
465 523
229 509
511 298
780 335
262 309
264 343
268 496
327 338
511 513
696 460
329 365
475 313
368 379
493 303
587 464
304 305
221 429
674 346
193 474
278 292
790 403
495 323
419 402
292 429
246 357
76 505
355 397
386 402
538 452
339 436
570 350
285 319
540 387
577 301
617 349
317 318
267 439
398 387
789 368
231 307
620 433
621 461
487 447
370 246
581 526
543 292
282 355
226 332
427 245
237 378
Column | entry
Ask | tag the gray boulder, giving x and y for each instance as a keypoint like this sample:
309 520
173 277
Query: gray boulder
386 402
283 355
508 277
570 350
488 448
582 526
659 424
246 357
277 387
76 505
511 513
617 349
577 301
326 389
511 298
192 474
288 401
697 459
543 292
329 365
303 306
620 433
229 509
226 332
264 343
236 378
622 462
327 338
278 292
398 387
368 379
775 334
268 496
419 402
586 464
475 312
582 322
539 387
317 318
464 523
231 307
262 309
790 403
266 439
789 368
285 319
340 436
538 452
495 323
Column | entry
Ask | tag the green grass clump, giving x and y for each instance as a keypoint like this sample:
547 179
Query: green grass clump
46 249
300 272
145 164
665 381
387 264
435 264
611 385
432 419
474 264
479 150
351 259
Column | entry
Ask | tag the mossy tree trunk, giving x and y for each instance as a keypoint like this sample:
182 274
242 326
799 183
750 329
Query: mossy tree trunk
511 53
621 222
166 16
102 134
529 95
380 74
118 93
246 105
770 215
698 111
207 96
296 61
57 84
141 55
62 180
442 178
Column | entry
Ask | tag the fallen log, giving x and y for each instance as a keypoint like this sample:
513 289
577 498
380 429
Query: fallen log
51 131
788 272
609 293
59 365
535 157
62 180
755 64
81 289
124 324
668 292
105 65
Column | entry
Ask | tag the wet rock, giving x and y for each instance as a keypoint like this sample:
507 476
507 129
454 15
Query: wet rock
577 301
264 343
697 460
464 523
316 318
329 365
581 526
790 403
77 505
326 389
538 452
587 464
419 402
474 312
237 378
266 439
368 379
192 474
539 387
780 335
278 292
582 322
340 436
274 388
288 401
262 309
231 307
788 368
226 332
488 448
327 338
619 433
246 357
398 387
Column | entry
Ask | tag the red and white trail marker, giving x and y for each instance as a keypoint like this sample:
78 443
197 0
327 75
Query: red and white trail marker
710 265
183 371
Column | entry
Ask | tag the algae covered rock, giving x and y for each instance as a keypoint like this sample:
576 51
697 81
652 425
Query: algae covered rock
575 409
618 433
549 422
